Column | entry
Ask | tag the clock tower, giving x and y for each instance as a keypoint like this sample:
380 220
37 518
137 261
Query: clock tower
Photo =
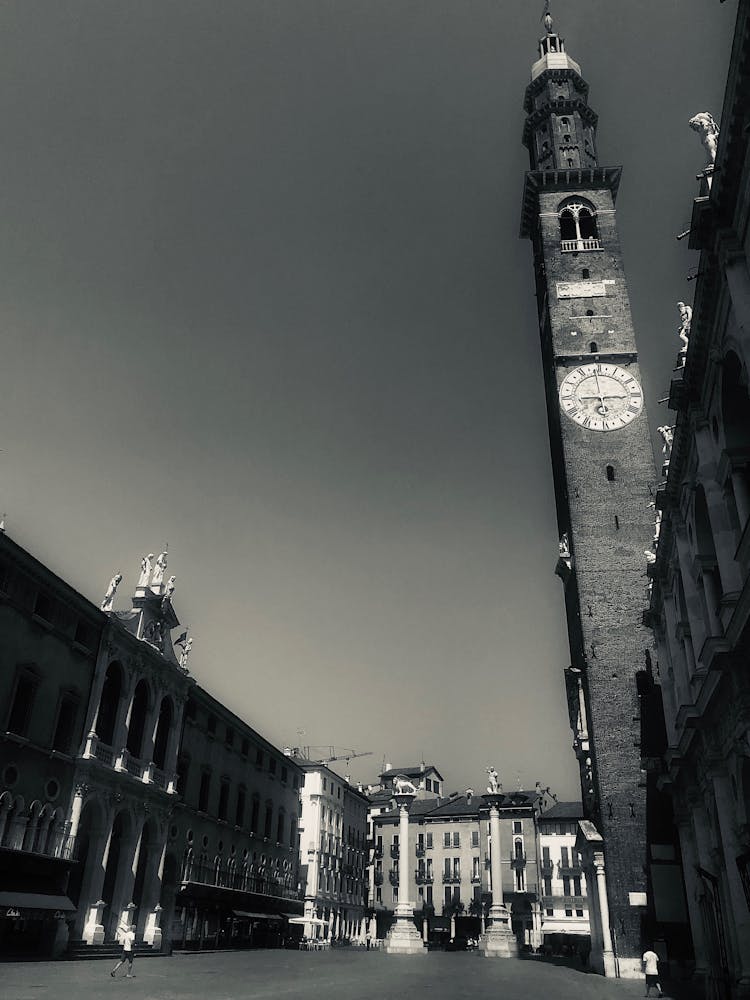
604 473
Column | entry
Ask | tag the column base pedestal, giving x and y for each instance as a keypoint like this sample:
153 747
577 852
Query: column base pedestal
93 930
499 941
404 938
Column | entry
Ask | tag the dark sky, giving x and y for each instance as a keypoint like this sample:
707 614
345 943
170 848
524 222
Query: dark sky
263 297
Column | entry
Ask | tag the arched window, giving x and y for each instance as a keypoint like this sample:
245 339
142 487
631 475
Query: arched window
578 229
610 473
593 347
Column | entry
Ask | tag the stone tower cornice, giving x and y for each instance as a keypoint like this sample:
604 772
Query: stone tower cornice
567 179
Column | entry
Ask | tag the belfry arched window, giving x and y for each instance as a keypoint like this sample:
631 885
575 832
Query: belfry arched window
578 229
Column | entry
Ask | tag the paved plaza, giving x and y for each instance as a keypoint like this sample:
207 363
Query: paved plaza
290 975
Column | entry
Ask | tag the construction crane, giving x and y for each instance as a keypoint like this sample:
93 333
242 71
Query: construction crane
326 755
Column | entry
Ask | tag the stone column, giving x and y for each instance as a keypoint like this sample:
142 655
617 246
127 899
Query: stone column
403 937
692 892
498 941
740 914
608 955
76 808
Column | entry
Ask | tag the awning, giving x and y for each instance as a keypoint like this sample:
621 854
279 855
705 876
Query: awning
316 921
257 916
32 901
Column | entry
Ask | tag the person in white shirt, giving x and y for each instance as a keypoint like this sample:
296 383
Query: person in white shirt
127 936
651 966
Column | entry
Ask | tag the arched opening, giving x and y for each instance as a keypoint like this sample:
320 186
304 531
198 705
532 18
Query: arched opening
137 724
593 347
109 702
578 229
15 825
163 728
140 889
610 473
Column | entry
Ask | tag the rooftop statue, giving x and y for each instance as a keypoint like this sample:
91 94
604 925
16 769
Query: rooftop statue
704 124
686 318
109 597
185 654
564 546
650 556
167 599
161 564
667 434
146 563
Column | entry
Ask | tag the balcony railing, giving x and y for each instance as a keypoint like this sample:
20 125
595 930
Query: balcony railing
451 878
242 878
547 866
394 850
476 877
564 902
572 870
378 852
423 877
393 876
420 850
28 835
517 860
122 760
570 246
378 878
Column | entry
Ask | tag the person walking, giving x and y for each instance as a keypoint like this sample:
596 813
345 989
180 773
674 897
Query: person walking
651 965
127 936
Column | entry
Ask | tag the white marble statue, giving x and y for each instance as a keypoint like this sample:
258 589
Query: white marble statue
168 591
705 125
146 564
686 318
185 654
564 546
494 786
650 557
109 597
161 564
667 434
403 786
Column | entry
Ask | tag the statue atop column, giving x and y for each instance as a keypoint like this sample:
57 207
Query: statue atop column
704 124
686 318
109 597
158 575
494 787
403 786
146 563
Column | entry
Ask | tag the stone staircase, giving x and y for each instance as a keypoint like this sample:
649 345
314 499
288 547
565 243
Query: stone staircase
110 950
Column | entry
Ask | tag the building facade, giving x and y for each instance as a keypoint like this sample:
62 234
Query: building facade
562 886
603 475
700 599
129 794
333 854
233 866
51 637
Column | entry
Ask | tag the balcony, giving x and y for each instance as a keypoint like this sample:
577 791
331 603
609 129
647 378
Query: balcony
378 852
378 878
451 878
518 861
393 876
564 902
35 836
420 850
476 877
394 850
242 877
423 877
547 867
123 761
570 870
575 246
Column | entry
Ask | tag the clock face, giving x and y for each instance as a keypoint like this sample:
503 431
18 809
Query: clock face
601 397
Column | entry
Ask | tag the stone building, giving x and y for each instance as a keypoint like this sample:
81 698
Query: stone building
232 856
604 476
50 641
700 599
562 887
333 853
99 825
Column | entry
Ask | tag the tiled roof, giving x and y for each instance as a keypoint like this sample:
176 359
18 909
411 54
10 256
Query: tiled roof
411 771
563 810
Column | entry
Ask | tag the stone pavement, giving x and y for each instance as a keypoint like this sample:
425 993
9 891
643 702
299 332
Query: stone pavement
343 974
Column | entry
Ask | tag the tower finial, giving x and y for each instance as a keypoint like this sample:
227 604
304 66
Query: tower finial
547 17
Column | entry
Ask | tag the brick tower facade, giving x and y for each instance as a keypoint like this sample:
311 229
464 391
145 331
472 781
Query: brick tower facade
604 475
